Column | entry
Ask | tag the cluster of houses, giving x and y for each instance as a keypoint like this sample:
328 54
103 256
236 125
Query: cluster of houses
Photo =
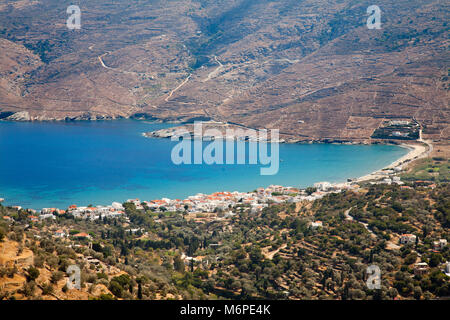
115 210
316 224
389 176
199 203
223 201
422 268
408 238
92 213
202 202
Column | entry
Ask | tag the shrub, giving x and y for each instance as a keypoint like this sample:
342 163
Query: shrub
32 274
28 289
115 288
56 276
47 289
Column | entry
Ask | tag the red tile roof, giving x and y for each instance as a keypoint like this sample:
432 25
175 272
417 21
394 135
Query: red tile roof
81 235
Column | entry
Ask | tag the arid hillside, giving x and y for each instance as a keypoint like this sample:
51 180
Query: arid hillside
309 68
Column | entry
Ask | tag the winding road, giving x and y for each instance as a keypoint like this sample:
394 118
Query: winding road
350 218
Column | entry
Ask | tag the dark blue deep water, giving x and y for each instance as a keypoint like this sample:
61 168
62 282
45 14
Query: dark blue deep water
58 164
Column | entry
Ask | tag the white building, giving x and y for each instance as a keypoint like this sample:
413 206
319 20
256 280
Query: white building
440 244
447 269
323 186
316 224
60 234
396 180
421 268
408 239
117 206
46 216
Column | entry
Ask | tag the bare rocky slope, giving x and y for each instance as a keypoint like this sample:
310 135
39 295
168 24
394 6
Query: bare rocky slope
309 68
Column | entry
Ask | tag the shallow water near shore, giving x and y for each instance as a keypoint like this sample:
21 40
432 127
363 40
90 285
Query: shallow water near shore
58 164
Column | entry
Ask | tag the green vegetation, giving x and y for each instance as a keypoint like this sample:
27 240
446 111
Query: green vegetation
435 169
33 274
408 131
272 254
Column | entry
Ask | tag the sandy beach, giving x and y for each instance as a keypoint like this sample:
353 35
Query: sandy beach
416 151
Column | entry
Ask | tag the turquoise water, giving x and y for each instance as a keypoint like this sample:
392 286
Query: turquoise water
59 164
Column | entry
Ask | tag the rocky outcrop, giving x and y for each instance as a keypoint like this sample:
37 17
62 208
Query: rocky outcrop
19 116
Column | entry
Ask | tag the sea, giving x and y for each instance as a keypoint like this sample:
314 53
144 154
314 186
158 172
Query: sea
56 164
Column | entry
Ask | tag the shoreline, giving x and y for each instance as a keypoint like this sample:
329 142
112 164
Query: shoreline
416 151
419 149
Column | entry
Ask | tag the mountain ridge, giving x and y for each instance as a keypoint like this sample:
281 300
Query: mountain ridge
311 69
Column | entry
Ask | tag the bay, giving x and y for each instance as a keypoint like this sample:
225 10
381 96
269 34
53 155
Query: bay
56 164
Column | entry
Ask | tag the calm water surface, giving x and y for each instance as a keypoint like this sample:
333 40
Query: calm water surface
58 164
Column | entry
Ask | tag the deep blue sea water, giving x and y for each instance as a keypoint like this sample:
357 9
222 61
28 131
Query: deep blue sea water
59 164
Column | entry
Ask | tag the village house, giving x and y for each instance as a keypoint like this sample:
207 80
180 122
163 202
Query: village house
323 186
396 180
447 268
81 236
60 233
256 207
408 239
46 216
137 203
48 210
93 261
187 260
117 206
439 244
133 231
316 224
420 268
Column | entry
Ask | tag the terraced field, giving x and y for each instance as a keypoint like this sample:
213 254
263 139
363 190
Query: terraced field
311 69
